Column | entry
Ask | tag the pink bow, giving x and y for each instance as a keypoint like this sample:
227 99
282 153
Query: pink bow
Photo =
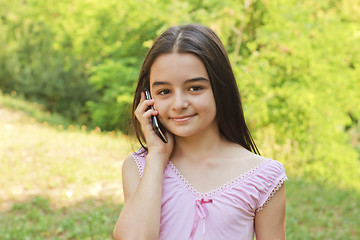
201 212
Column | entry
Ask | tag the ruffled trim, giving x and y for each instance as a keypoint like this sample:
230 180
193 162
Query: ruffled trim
219 189
139 157
276 188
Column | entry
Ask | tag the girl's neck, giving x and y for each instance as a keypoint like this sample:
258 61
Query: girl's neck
199 147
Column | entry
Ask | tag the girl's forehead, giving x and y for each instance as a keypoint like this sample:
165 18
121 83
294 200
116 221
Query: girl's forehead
174 67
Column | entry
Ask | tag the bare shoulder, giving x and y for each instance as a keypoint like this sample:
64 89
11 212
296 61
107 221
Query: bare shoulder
129 164
130 177
237 160
246 158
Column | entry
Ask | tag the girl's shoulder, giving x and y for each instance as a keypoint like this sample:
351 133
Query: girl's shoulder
250 160
243 159
271 168
267 178
263 169
263 175
139 158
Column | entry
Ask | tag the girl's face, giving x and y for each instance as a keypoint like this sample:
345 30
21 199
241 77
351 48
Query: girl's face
180 85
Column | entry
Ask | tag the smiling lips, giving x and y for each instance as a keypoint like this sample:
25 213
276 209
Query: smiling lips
182 118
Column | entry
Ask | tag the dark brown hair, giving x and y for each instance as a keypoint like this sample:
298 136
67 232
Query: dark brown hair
206 45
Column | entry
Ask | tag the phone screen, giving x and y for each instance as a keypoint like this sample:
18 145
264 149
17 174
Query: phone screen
155 122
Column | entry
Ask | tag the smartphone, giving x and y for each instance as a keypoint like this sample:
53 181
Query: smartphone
158 128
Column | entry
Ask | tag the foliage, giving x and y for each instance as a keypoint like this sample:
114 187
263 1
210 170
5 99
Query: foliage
297 65
35 63
116 82
301 86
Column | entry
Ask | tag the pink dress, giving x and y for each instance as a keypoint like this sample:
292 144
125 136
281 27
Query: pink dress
225 213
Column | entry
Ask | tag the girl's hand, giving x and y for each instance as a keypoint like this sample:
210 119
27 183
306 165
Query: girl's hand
155 145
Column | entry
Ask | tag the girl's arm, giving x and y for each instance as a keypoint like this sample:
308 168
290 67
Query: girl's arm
140 216
270 221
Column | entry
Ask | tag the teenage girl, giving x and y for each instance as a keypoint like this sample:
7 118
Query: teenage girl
208 181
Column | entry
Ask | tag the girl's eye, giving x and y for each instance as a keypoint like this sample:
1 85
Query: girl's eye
195 88
163 92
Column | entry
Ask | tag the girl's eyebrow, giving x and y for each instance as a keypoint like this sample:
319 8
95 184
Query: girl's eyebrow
196 79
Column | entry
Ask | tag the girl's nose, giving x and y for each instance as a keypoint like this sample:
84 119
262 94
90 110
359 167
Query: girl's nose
180 101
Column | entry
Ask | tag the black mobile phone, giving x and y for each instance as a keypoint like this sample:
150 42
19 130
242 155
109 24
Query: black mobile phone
158 128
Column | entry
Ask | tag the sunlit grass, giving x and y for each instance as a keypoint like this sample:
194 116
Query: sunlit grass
40 158
57 183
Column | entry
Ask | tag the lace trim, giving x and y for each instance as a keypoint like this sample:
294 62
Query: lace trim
138 164
219 189
276 188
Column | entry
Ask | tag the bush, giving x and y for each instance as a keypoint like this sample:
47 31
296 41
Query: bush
36 65
115 82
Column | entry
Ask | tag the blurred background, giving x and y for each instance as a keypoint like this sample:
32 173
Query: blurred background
68 70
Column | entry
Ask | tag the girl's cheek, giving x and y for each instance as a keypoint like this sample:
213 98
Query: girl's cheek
159 108
159 105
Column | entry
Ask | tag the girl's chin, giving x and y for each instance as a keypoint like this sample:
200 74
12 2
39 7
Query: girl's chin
183 134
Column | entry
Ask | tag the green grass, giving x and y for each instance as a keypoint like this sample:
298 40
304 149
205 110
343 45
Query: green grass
318 211
36 219
61 182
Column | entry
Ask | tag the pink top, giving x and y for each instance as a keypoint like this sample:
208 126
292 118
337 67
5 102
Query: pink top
225 213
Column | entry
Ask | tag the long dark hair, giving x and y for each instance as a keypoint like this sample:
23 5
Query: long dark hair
206 45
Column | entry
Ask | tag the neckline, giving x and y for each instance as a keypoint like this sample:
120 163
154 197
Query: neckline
219 189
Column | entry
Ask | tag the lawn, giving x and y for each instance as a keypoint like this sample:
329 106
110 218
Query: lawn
61 181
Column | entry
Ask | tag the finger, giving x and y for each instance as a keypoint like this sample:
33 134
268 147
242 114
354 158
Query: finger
145 109
150 112
143 106
143 114
146 104
142 97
